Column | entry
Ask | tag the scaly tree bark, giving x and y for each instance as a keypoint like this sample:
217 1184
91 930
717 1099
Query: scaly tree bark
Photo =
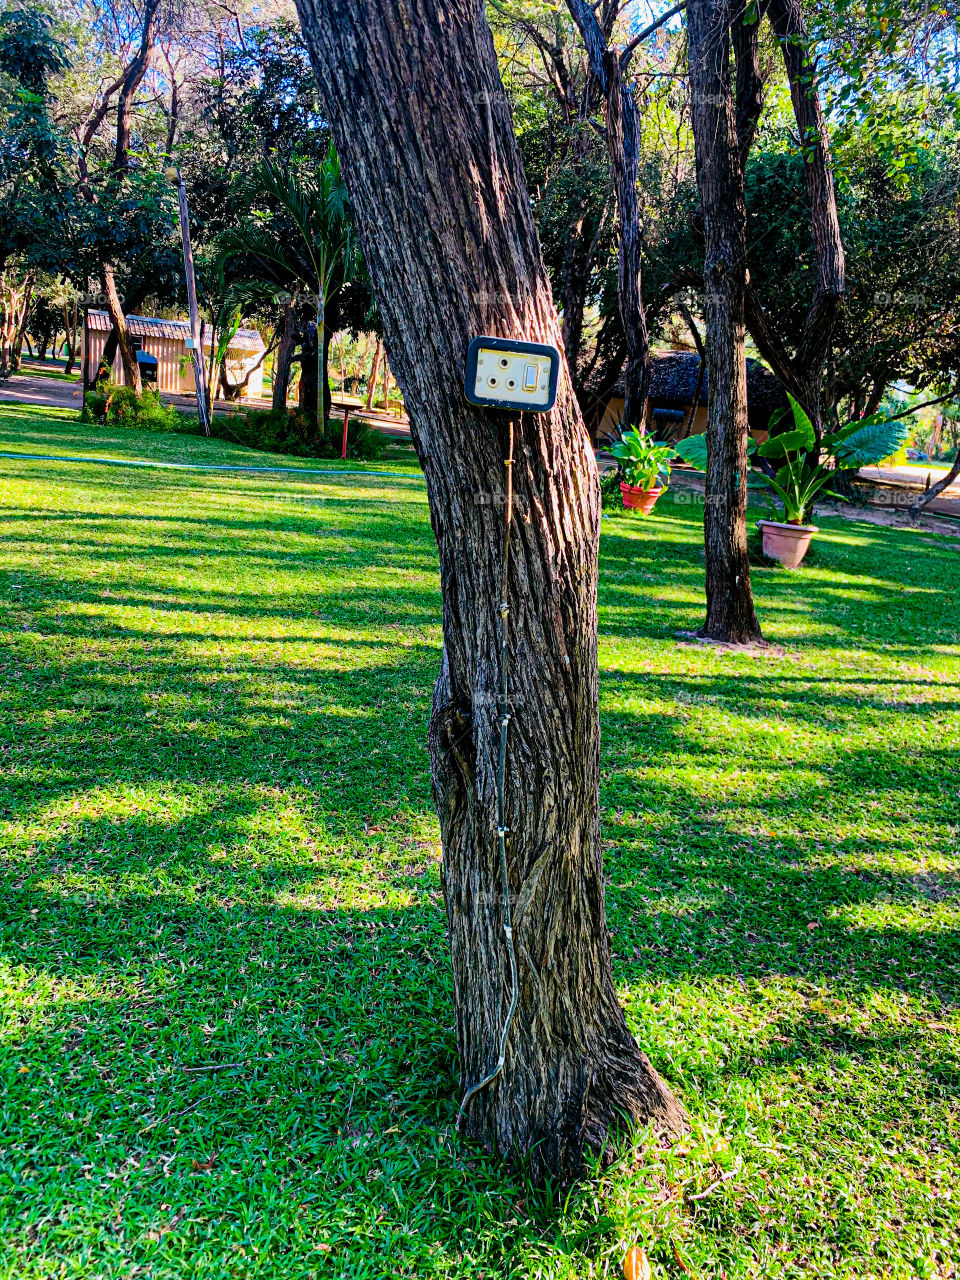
444 219
730 611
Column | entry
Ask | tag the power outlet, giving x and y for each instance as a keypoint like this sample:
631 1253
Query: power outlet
505 374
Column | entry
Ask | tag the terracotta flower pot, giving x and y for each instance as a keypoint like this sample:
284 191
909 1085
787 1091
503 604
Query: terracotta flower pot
639 499
787 543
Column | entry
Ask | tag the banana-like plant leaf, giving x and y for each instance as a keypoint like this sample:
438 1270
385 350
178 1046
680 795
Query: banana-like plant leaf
789 442
871 443
802 423
693 450
852 428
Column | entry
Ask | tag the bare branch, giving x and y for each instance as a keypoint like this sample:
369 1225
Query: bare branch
628 49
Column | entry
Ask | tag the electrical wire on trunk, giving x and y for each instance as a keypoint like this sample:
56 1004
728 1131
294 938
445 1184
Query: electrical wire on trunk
504 717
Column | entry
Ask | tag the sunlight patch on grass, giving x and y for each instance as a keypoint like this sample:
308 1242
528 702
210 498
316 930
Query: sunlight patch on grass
222 941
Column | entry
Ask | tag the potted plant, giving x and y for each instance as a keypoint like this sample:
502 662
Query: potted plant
799 473
644 467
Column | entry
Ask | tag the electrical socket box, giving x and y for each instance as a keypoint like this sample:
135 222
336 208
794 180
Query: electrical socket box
506 374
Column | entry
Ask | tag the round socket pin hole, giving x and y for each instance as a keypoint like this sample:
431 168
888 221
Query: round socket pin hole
504 362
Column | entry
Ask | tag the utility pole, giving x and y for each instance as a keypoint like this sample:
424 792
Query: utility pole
196 348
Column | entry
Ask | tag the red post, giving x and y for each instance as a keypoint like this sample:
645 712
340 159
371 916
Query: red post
346 417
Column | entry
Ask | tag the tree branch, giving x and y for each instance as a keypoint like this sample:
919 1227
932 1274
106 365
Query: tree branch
628 49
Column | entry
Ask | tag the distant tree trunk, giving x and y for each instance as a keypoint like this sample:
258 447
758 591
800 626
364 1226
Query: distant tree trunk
309 380
623 144
803 373
16 355
935 490
730 611
573 1072
374 373
691 324
131 370
284 360
131 303
325 372
70 326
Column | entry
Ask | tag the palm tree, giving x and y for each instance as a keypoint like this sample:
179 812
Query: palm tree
299 240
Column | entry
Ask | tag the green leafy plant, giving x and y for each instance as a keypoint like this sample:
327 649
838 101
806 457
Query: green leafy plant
644 462
789 464
296 433
123 407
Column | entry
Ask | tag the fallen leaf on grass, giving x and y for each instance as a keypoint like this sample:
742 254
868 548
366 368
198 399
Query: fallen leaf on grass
636 1265
680 1262
204 1166
168 1227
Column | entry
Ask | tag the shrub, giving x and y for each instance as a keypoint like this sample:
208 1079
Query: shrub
296 433
121 406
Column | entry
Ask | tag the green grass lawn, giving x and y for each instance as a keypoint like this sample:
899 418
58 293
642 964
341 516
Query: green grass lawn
226 1013
49 368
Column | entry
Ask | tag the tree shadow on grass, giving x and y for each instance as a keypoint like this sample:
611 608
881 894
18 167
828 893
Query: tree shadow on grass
862 586
227 1001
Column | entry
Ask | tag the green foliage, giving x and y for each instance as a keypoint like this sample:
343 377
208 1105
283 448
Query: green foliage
869 441
644 462
227 1048
611 499
800 477
295 433
121 406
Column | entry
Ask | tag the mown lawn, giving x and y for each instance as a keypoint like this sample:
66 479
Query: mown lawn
226 1045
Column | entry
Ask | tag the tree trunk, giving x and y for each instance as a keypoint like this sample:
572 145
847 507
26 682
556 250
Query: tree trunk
935 490
445 225
730 612
325 371
309 381
16 356
284 360
128 357
132 76
623 145
131 303
803 373
70 332
374 373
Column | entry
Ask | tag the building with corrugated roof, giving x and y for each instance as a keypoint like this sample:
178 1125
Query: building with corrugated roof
166 342
674 409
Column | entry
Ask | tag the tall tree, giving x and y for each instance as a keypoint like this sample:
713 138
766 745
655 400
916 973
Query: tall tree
730 611
610 67
422 127
305 244
802 370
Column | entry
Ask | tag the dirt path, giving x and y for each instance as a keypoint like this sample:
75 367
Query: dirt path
52 393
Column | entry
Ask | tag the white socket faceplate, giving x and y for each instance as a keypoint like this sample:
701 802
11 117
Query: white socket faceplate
516 376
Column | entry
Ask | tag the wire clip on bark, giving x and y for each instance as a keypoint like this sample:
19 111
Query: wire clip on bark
502 827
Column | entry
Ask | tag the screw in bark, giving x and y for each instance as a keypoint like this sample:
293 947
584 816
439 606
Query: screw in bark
501 783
